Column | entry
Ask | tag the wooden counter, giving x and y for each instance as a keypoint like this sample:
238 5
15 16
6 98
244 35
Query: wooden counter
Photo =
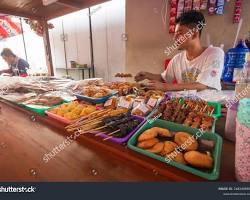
24 142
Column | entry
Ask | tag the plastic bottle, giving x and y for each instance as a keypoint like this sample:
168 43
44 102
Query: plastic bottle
234 62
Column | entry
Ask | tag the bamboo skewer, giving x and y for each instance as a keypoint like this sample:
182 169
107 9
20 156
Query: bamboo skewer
212 111
204 109
96 129
107 138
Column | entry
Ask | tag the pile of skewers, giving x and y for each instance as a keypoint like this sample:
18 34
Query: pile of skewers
113 123
187 114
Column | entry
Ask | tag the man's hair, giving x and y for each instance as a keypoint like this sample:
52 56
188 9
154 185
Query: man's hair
191 19
7 52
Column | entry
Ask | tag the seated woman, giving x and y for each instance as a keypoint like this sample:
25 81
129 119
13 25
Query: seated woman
17 66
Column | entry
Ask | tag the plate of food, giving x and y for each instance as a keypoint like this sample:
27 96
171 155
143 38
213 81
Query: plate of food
68 112
41 103
183 147
95 94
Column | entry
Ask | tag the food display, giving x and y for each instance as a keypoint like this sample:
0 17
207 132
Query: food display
123 88
191 113
199 105
124 110
111 103
123 75
95 91
126 101
94 120
180 147
73 110
116 125
142 110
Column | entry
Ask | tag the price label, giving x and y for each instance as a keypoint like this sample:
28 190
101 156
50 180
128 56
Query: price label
124 104
108 103
152 102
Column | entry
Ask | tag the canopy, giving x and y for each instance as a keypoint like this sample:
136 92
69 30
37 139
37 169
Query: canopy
44 9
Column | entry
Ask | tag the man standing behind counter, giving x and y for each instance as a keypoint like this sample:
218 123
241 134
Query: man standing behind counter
17 66
196 67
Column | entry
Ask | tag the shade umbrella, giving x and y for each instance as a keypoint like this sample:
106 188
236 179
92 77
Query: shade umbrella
8 28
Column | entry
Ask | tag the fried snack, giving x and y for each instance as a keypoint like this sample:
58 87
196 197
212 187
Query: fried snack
177 157
123 75
154 132
168 147
186 141
157 148
147 135
162 131
198 159
148 143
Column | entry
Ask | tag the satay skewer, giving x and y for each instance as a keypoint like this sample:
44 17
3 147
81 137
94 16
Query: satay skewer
96 129
107 138
211 112
204 109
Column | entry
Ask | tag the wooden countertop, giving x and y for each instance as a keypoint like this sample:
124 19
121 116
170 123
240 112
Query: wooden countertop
24 142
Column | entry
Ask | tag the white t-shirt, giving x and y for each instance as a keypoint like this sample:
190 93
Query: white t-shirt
205 69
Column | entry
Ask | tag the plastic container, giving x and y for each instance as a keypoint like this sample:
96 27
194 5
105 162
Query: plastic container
126 138
242 152
212 174
58 118
94 100
35 108
230 126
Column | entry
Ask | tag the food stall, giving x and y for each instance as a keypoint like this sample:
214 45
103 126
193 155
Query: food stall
63 130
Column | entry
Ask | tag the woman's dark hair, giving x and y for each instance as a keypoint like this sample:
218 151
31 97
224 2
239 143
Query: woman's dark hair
192 19
7 52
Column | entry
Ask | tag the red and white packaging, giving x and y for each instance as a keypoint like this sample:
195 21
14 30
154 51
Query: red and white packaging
237 11
196 5
188 5
211 7
172 16
180 7
204 4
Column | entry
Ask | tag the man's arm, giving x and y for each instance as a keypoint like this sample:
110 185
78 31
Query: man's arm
150 76
8 71
176 87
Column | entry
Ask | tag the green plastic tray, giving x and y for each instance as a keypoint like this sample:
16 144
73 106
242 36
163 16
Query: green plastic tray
40 111
212 174
217 109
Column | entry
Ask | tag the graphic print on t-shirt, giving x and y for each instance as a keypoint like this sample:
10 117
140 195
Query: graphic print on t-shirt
190 76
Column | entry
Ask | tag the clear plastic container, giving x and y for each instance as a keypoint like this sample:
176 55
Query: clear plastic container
230 127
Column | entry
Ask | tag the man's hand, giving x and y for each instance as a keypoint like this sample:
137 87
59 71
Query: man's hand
146 75
156 85
142 76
